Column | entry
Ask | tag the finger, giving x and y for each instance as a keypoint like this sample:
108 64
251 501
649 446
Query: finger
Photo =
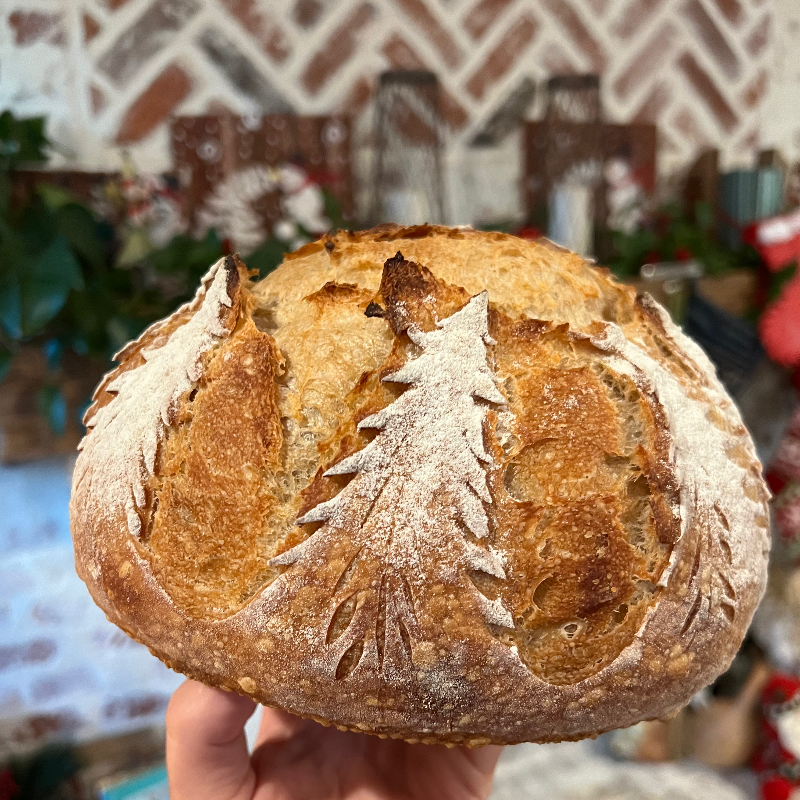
279 726
207 756
485 758
484 761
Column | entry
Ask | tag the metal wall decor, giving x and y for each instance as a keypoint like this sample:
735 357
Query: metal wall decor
407 179
567 185
585 177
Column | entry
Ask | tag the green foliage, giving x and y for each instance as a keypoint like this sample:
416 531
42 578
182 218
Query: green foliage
674 235
53 407
61 283
43 775
267 256
778 280
333 211
22 141
71 281
186 257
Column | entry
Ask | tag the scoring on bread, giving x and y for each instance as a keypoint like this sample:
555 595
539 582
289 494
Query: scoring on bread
469 491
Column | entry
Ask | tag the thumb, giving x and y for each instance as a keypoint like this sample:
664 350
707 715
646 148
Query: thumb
207 756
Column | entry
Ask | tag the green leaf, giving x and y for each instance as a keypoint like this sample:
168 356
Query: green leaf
45 285
121 330
187 255
54 197
53 407
135 248
52 350
778 280
77 225
11 306
6 357
704 214
266 257
21 140
333 209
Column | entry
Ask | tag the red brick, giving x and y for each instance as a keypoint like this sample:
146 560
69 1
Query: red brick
36 651
654 104
634 15
555 60
11 703
714 43
749 143
690 129
401 55
339 48
357 97
572 24
433 30
266 31
40 726
307 12
58 37
759 36
30 26
47 614
97 99
599 6
754 92
91 27
136 706
731 10
504 55
705 87
62 683
645 61
482 16
154 105
148 35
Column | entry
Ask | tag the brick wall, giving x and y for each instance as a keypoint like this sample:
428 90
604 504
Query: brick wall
112 71
64 669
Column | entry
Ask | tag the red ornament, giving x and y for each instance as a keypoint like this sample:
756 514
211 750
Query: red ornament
777 789
8 786
778 767
528 232
779 327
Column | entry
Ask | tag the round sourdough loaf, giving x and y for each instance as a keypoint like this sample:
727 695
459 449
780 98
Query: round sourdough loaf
427 483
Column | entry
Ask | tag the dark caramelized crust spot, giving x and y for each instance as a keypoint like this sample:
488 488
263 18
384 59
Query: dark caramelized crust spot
413 295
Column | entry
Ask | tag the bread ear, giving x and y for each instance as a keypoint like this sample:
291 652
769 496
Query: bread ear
137 402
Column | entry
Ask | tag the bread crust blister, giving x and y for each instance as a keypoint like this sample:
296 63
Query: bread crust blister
426 483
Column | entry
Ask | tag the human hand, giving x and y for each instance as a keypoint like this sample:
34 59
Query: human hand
297 759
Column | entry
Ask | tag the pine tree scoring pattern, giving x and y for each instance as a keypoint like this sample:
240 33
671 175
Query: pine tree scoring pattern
418 493
127 432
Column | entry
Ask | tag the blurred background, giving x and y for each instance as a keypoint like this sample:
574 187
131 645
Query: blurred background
142 139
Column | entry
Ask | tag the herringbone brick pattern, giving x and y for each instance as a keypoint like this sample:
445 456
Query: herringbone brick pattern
698 68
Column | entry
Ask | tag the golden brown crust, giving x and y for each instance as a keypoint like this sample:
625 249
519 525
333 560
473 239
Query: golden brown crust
629 572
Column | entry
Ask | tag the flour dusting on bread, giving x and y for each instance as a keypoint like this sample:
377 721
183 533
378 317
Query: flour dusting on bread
123 438
424 472
522 537
712 486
